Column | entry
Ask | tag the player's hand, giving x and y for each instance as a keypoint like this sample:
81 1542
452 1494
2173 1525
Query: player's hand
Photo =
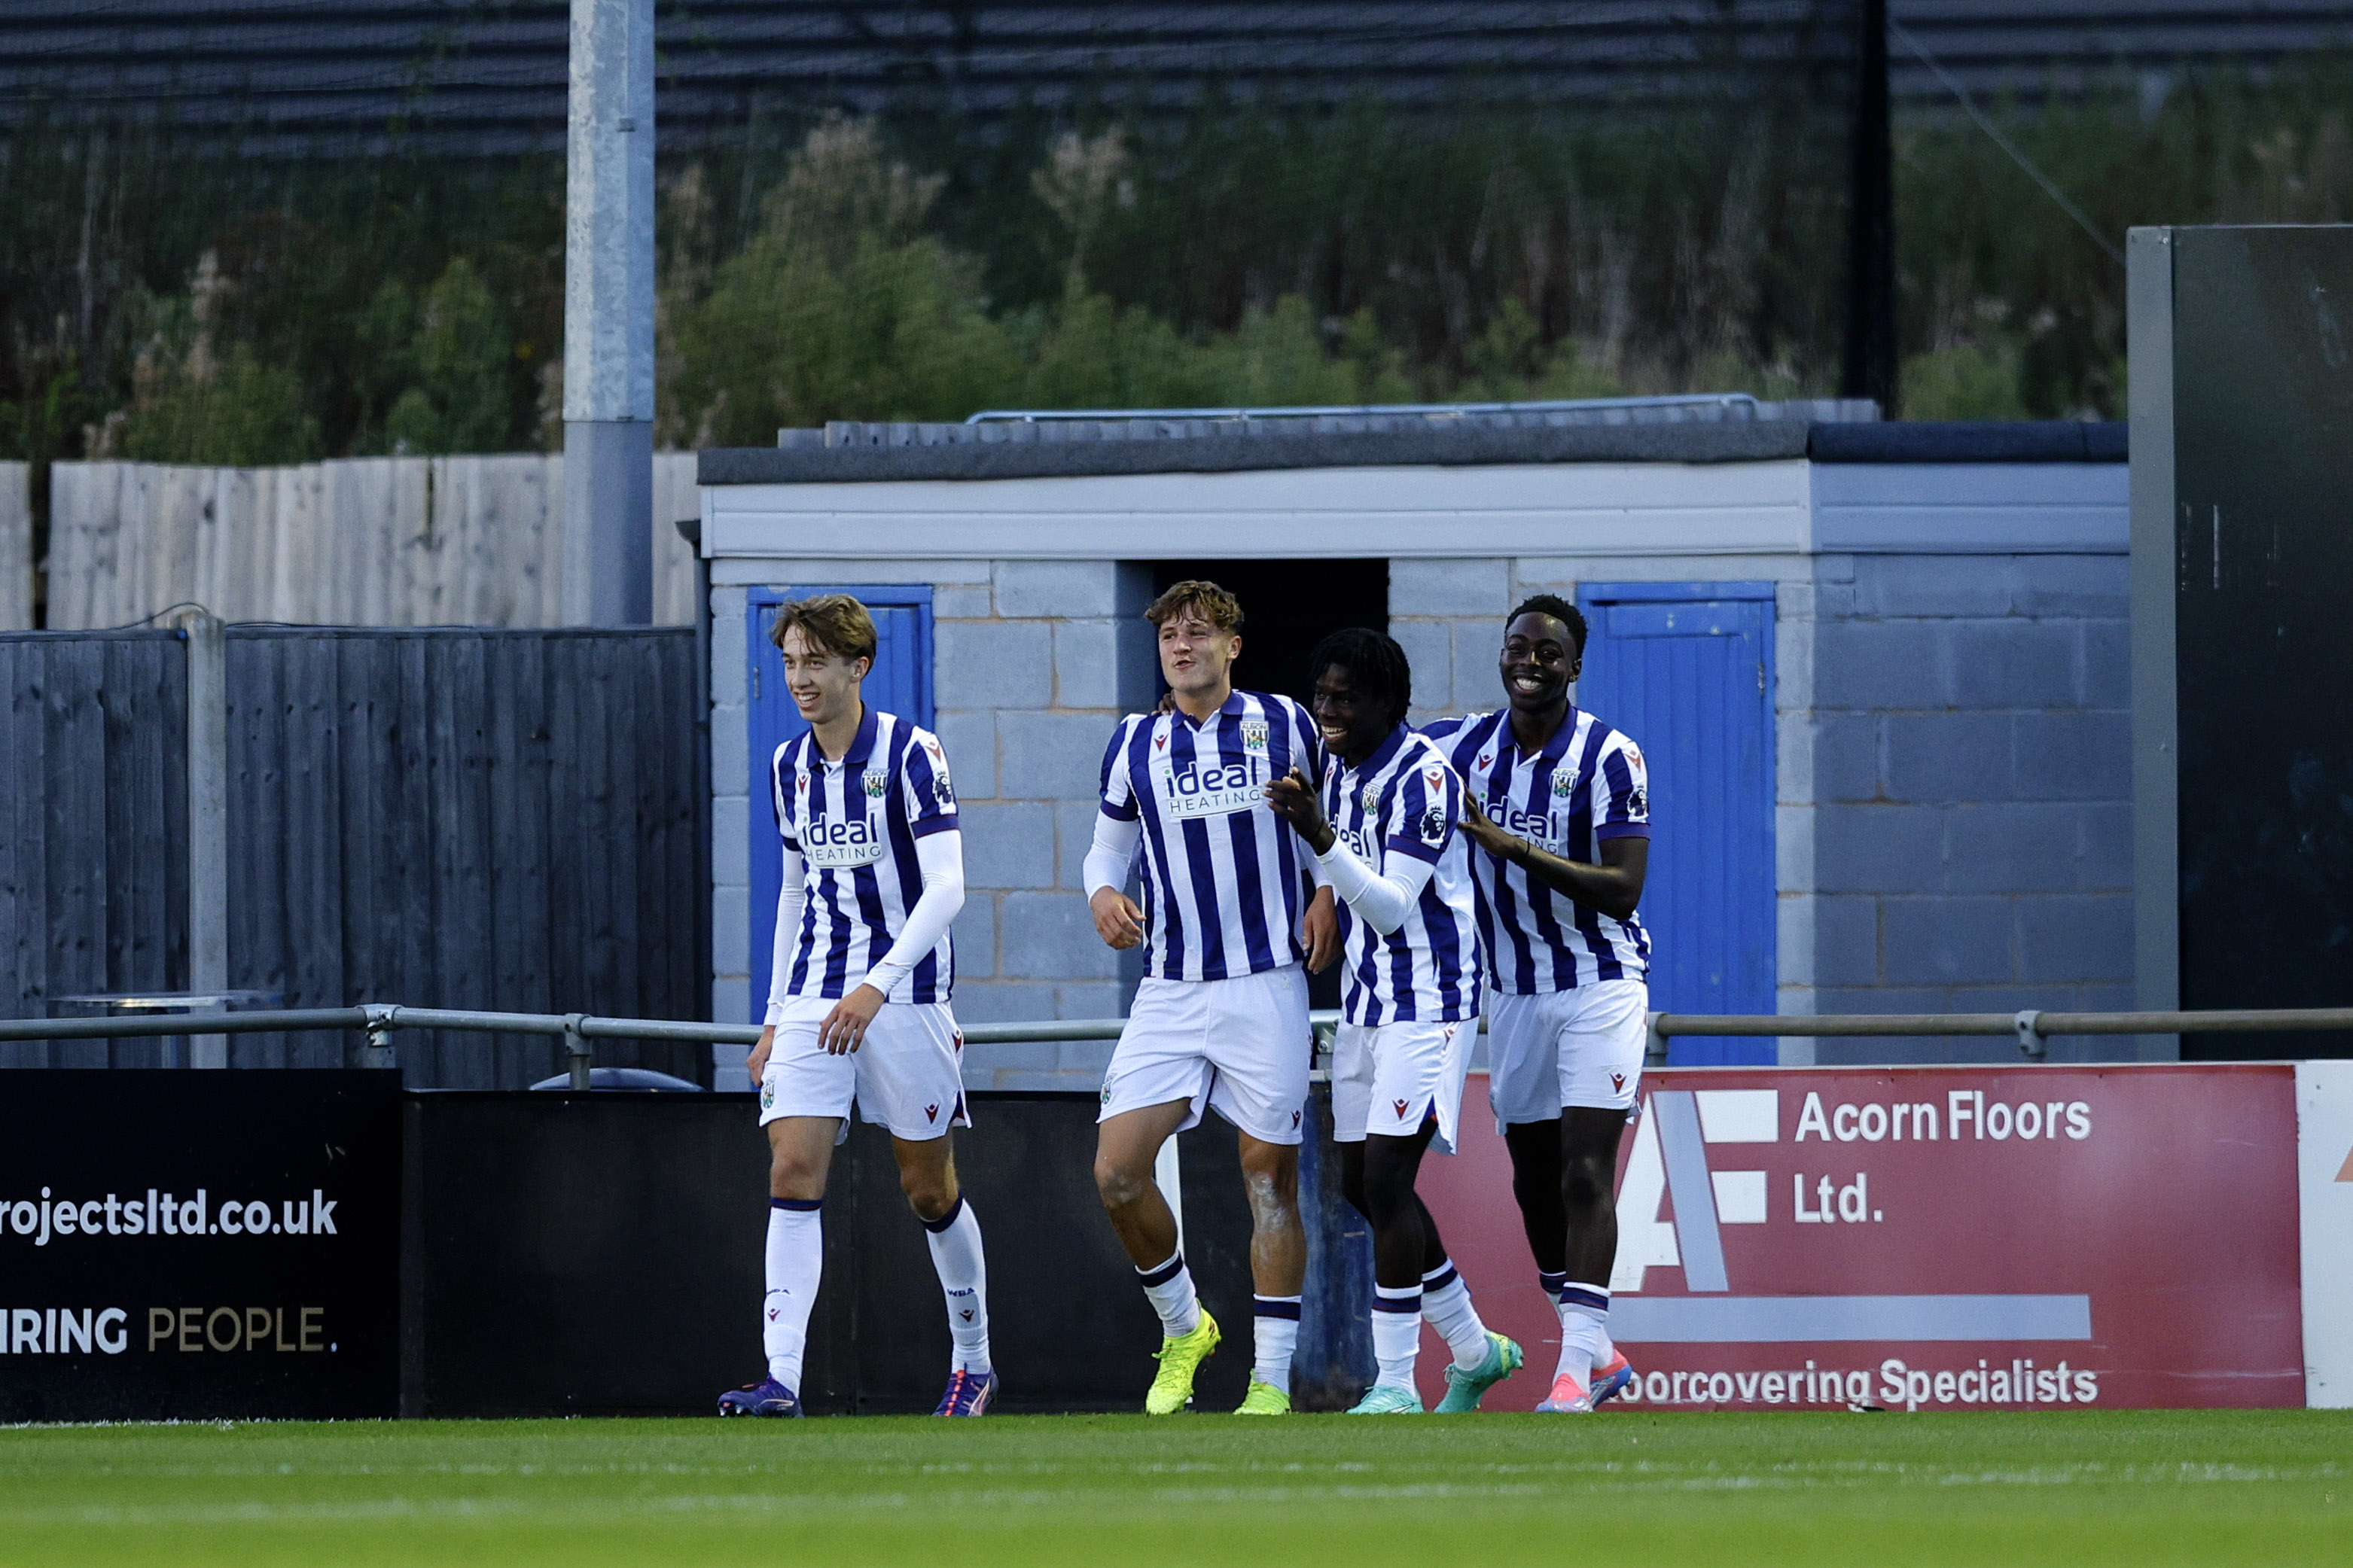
1293 800
1322 926
844 1029
1117 920
757 1062
1483 830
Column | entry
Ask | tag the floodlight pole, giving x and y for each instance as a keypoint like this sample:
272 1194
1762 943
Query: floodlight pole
608 317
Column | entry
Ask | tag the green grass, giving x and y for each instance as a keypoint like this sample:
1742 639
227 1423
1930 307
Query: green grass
2138 1487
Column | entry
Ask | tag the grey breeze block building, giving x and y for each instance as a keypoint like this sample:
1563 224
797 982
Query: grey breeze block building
1938 816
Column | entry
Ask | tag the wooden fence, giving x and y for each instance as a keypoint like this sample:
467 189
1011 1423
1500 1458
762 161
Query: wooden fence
509 820
361 541
16 548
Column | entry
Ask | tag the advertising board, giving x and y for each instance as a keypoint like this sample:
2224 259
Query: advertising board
199 1245
1923 1238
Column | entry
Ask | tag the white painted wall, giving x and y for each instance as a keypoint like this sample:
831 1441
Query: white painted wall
1464 544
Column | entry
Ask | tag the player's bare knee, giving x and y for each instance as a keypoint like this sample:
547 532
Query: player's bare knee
1585 1182
792 1176
930 1193
1120 1186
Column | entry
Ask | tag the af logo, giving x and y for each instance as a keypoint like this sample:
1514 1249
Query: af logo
1159 742
1486 760
1637 804
1294 1123
1564 783
1254 736
931 1114
877 780
1617 1083
1435 777
1400 1108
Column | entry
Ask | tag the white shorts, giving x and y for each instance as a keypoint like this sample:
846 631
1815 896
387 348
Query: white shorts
1392 1078
1580 1048
1240 1047
907 1075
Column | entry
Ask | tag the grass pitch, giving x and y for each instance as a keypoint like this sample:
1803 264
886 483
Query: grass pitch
2074 1487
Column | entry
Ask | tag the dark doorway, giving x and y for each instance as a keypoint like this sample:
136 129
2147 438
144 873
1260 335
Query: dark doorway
1289 607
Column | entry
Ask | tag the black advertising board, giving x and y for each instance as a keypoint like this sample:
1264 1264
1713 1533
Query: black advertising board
198 1245
2263 440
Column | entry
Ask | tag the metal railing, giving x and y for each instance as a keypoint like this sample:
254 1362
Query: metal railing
579 1031
1727 400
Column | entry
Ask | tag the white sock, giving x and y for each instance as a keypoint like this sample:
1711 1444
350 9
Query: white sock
1275 1329
956 1257
1446 1307
796 1259
1584 1326
1170 1288
1397 1333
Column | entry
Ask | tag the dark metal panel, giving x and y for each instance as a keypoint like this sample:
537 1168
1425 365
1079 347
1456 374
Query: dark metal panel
2263 397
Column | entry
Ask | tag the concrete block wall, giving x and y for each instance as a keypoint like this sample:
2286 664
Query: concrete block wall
1034 662
1448 616
1956 794
1953 779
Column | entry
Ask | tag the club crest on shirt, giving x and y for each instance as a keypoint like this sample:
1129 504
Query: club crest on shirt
1254 734
1370 797
877 780
1564 783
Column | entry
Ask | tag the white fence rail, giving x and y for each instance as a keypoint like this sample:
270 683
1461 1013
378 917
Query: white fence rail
367 541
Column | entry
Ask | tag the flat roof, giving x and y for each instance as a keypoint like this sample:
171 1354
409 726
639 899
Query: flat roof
849 454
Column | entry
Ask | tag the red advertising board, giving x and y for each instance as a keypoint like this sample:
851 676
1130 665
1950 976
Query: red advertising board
1943 1239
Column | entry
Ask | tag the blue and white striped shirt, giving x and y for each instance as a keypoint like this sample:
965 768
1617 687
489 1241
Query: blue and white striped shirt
1588 784
854 823
1221 872
1404 800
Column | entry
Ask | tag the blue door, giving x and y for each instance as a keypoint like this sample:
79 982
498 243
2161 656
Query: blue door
1686 668
900 682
